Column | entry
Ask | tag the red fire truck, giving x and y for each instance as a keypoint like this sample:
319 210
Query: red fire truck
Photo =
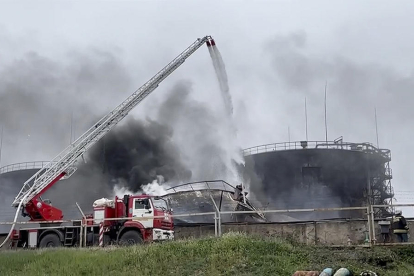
130 220
123 221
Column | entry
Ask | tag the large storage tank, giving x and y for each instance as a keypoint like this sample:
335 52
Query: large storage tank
296 175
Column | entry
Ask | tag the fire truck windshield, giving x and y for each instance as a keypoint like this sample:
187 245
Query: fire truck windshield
160 203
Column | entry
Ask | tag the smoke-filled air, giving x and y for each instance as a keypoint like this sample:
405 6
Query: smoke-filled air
185 138
185 142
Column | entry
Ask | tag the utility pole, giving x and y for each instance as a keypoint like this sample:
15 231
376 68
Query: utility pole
326 125
376 127
71 127
289 135
1 143
306 121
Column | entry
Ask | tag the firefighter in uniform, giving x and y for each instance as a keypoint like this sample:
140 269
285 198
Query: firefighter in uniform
238 193
400 227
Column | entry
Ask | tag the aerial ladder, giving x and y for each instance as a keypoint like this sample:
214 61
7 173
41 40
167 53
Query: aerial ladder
63 166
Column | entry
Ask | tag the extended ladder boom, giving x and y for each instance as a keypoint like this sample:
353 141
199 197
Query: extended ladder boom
62 166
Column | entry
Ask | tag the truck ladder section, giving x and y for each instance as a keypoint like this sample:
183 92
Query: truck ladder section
69 236
62 166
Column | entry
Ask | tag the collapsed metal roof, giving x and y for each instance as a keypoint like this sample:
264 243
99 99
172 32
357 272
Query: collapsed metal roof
210 196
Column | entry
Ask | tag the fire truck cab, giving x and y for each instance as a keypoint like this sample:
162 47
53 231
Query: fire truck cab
142 218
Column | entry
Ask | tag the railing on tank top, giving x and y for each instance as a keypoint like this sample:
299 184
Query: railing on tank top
33 165
337 144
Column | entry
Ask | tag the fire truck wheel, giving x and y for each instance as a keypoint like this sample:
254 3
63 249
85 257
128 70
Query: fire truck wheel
130 237
50 240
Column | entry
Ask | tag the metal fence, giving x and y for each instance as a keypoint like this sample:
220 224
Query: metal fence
369 223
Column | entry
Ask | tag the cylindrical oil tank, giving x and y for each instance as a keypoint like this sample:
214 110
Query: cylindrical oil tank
300 175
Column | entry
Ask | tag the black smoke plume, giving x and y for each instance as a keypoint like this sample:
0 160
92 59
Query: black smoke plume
183 143
138 151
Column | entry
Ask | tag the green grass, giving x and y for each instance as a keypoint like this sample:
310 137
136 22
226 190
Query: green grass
233 254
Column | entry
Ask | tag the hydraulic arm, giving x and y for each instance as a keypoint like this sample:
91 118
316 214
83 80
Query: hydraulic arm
62 166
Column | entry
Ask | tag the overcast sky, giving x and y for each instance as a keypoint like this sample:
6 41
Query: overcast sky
276 54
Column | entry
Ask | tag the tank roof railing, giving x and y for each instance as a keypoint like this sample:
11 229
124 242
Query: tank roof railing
32 165
338 144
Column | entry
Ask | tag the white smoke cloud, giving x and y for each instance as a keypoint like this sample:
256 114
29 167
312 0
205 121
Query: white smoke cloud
120 189
154 188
